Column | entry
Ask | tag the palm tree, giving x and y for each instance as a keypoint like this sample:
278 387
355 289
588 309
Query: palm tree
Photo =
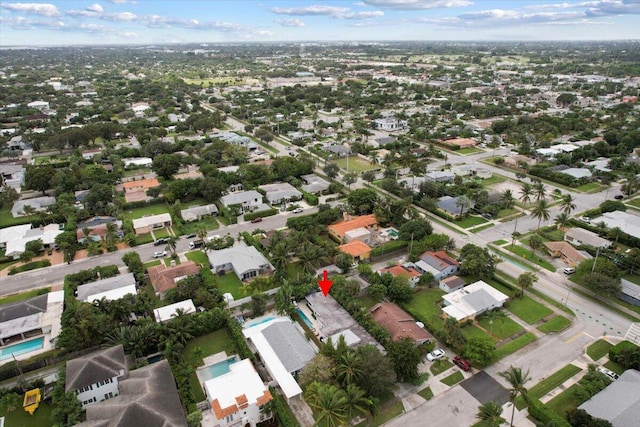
540 191
535 243
201 234
308 255
540 211
615 233
280 255
172 243
454 336
525 281
349 369
357 402
567 203
562 220
463 202
490 414
507 200
500 315
330 403
516 379
526 191
514 236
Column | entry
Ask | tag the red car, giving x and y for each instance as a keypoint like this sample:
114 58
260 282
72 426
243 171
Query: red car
258 219
461 363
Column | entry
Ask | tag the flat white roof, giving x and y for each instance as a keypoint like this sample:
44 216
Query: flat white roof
472 299
242 378
280 374
146 221
168 312
113 294
349 337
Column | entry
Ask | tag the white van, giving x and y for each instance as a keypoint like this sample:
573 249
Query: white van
569 270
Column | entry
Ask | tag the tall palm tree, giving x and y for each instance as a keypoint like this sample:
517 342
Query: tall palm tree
357 402
516 379
567 203
507 200
526 191
535 243
463 202
349 368
525 281
172 243
615 233
201 233
330 403
540 191
308 255
280 255
540 211
562 220
490 413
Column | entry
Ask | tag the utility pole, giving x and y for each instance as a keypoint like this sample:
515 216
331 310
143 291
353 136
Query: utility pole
595 261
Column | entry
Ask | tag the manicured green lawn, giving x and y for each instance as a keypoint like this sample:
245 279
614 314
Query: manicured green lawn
481 228
500 242
474 331
598 349
294 270
466 151
19 418
198 257
507 212
494 179
7 220
615 367
356 164
208 223
423 306
515 345
550 383
161 232
635 278
212 343
527 309
136 213
145 238
227 283
502 328
167 261
439 366
565 401
8 264
470 221
452 379
24 295
426 393
635 202
590 187
388 411
368 301
152 263
556 324
528 255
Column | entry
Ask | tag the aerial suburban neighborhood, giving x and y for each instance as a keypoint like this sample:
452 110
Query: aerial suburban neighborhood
167 212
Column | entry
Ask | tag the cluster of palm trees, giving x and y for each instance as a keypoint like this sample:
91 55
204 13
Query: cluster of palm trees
295 245
490 413
535 195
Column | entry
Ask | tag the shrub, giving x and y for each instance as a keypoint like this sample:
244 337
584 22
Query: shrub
29 266
312 199
623 353
282 412
546 415
385 248
260 214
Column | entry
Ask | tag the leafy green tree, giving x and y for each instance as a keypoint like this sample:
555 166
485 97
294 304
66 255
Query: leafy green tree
321 369
591 383
581 418
343 261
350 178
415 230
602 266
477 261
377 291
258 304
331 170
490 414
481 351
454 336
363 200
463 203
602 284
39 177
194 419
405 357
10 402
517 380
165 165
284 298
535 243
379 377
562 220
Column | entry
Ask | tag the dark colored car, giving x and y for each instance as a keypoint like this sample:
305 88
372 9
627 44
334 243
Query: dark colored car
618 197
191 236
162 241
258 219
461 363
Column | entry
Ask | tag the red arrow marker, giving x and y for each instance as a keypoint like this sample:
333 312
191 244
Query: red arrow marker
325 284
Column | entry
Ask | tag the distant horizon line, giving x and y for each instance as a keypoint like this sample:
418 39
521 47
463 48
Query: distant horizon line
248 42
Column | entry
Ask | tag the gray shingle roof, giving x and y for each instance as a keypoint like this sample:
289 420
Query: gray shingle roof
240 197
290 345
105 285
480 300
95 367
23 308
619 402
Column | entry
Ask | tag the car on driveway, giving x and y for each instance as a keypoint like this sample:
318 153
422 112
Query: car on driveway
257 219
608 373
569 270
461 363
435 355
160 254
297 210
191 236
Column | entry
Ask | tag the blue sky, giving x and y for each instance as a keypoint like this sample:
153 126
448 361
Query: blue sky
156 22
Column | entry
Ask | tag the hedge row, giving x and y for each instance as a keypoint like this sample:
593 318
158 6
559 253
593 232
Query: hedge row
312 199
385 248
260 214
546 415
144 203
29 266
282 411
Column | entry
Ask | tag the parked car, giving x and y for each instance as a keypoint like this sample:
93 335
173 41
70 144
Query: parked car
196 244
461 363
608 373
191 236
435 355
257 219
585 219
298 210
618 197
160 254
569 270
162 241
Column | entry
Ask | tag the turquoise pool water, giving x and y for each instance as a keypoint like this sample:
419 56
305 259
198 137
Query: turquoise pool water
258 321
21 348
392 232
217 369
305 319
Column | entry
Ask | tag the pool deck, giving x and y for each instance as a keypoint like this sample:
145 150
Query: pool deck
212 360
317 325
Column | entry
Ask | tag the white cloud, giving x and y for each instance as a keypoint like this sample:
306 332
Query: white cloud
44 9
95 8
332 11
294 22
417 4
119 16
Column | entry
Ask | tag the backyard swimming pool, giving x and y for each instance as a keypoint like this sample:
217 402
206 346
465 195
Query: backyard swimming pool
217 369
21 348
305 319
258 321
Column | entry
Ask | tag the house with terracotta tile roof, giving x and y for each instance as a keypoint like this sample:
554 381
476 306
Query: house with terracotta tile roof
137 190
439 263
237 396
567 252
164 278
399 323
399 270
460 142
340 230
360 251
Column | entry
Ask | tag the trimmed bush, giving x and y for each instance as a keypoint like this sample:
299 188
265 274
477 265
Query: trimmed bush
385 248
312 199
30 266
546 415
260 214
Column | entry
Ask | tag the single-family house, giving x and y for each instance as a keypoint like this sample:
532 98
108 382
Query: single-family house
141 162
399 323
412 182
245 200
12 175
14 239
577 173
17 143
283 349
568 253
619 402
94 377
451 283
164 278
169 312
89 154
581 237
625 221
135 191
337 150
359 250
152 222
314 184
38 204
390 124
97 227
461 142
450 205
281 192
439 263
196 213
472 300
245 261
39 105
237 396
440 176
339 230
112 288
399 270
630 292
148 397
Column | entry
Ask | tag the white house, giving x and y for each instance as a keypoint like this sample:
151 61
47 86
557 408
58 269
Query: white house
580 236
170 311
94 377
390 124
280 192
39 105
245 261
238 395
112 288
14 239
152 222
472 300
245 199
37 203
144 162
